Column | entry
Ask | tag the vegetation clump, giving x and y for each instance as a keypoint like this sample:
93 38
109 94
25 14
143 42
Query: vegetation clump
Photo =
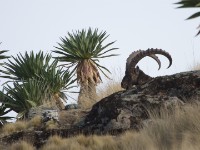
82 50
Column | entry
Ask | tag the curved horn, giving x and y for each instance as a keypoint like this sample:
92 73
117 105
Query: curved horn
130 57
150 52
156 59
134 54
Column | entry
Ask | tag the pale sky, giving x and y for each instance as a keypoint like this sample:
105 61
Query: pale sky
38 24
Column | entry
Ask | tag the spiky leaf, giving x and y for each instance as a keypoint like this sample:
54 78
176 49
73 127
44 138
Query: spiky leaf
82 49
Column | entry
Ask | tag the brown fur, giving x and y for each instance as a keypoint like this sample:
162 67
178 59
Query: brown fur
135 77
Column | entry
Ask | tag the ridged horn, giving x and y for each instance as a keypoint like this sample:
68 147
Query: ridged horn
150 52
156 59
134 54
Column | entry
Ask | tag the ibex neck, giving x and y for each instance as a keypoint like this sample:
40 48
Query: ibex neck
143 78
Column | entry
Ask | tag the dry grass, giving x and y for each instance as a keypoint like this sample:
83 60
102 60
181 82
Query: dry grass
96 142
81 143
135 140
35 122
21 125
179 129
55 140
194 66
173 131
51 124
14 127
71 117
86 103
111 86
21 145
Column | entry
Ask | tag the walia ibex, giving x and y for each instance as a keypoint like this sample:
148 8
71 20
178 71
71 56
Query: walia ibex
133 74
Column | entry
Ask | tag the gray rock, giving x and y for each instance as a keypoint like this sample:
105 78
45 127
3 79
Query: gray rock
71 106
50 114
47 113
129 109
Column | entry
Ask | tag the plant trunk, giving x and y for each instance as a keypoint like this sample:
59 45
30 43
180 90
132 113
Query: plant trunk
59 102
87 96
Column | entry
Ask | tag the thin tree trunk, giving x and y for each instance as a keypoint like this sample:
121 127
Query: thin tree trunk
59 102
87 96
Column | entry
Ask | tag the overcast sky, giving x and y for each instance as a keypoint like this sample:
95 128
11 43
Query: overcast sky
38 24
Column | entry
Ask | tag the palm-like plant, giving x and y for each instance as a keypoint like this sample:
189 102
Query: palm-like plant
3 56
3 110
59 82
25 95
82 49
27 66
39 72
191 4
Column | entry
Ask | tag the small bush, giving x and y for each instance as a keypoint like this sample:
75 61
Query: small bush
136 141
54 143
14 127
55 140
81 142
35 121
51 124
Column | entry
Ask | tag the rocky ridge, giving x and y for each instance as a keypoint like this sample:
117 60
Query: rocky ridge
128 109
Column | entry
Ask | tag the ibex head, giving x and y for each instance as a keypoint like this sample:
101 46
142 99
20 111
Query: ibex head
133 74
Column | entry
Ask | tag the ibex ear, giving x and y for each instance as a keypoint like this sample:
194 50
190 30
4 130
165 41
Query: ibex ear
137 69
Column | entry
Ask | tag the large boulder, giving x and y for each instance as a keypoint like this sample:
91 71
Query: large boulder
129 109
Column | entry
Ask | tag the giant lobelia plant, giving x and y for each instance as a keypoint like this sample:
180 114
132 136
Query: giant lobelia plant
36 79
82 50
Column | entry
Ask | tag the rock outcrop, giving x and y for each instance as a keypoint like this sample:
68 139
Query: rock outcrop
129 109
47 113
